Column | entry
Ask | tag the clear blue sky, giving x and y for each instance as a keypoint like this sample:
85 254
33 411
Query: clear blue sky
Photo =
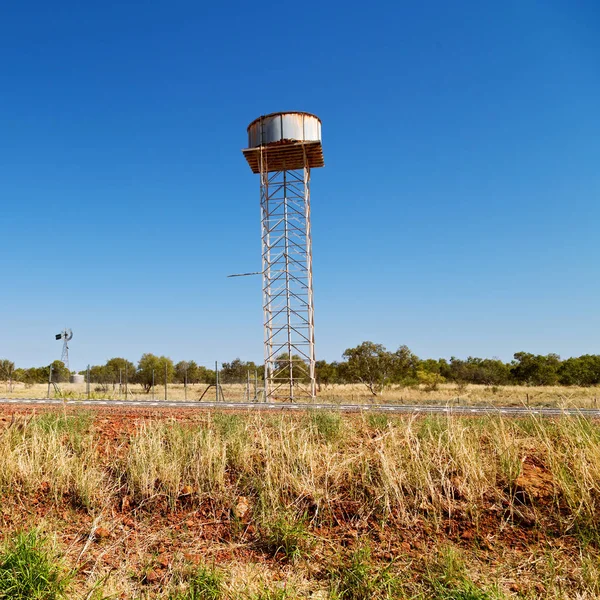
457 213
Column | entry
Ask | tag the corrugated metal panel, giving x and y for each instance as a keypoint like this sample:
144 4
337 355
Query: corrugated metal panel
312 129
271 130
293 127
277 127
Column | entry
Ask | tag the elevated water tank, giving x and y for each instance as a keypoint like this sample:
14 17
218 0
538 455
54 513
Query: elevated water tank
284 140
284 127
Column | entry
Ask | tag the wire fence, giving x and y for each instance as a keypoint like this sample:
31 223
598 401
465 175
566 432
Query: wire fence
155 385
248 386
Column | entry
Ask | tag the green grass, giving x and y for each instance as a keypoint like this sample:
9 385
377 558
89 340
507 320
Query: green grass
228 425
463 591
29 570
204 584
54 422
378 421
359 579
448 579
271 595
327 425
287 535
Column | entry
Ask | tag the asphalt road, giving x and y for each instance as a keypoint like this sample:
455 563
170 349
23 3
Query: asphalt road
510 411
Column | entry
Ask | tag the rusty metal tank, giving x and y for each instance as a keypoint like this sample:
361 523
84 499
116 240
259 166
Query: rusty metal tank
284 141
284 127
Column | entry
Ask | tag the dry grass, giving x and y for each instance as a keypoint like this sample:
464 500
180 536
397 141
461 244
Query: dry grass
553 396
53 454
165 458
463 508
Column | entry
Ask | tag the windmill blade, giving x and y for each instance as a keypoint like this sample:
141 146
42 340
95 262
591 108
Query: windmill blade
69 335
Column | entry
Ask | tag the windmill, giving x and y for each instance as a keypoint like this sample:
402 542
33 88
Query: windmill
66 335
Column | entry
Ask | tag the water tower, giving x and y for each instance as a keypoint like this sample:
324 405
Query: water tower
282 149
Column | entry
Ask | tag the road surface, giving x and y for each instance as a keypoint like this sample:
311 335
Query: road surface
510 411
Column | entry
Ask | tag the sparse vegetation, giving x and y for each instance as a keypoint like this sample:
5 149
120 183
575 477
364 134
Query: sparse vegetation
357 578
203 583
53 453
327 425
448 579
378 421
286 534
353 507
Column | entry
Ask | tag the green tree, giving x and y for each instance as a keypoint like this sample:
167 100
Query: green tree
31 375
7 369
236 371
484 371
325 373
404 365
300 368
118 366
583 370
429 379
60 373
149 364
343 373
430 365
187 370
535 369
113 371
371 364
99 374
206 375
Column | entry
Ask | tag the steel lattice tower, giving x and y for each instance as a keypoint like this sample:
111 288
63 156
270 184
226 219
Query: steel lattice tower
283 149
66 335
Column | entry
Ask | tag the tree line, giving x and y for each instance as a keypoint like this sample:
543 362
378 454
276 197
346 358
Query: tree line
368 363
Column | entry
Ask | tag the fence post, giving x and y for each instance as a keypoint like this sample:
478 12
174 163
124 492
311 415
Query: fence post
49 381
216 381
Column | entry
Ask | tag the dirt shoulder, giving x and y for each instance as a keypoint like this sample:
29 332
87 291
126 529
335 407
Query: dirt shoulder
288 504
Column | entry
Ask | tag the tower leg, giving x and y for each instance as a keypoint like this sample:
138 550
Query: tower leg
287 285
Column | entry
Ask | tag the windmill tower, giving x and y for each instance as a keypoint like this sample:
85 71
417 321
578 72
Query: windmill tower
66 335
283 148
